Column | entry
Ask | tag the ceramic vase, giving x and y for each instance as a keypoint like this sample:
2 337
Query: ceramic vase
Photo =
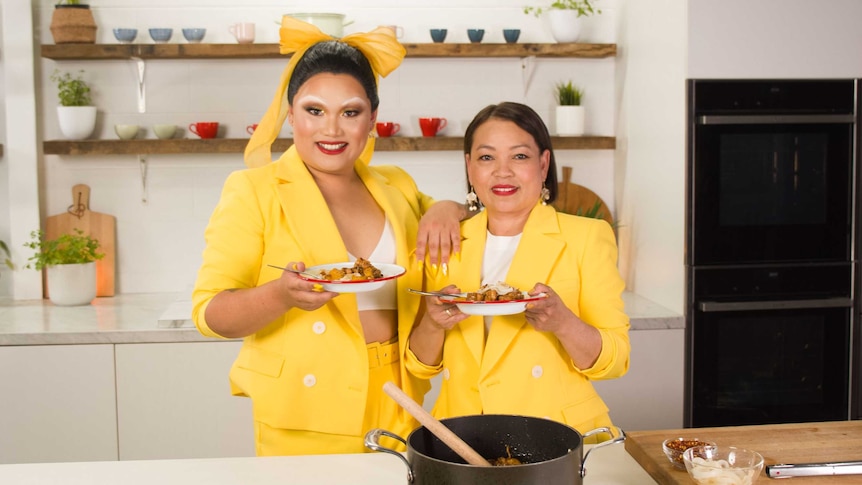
570 120
565 25
76 122
71 284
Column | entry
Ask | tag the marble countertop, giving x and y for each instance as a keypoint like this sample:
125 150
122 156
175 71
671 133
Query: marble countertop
611 465
166 317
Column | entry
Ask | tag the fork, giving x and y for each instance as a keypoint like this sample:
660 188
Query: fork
301 273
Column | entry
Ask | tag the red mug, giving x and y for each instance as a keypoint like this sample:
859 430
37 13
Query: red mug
388 128
250 128
430 126
204 129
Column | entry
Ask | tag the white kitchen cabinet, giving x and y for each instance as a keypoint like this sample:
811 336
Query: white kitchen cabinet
650 395
174 401
57 403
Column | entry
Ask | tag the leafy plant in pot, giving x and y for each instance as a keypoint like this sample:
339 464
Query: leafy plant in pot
569 113
76 116
70 266
565 17
73 23
7 259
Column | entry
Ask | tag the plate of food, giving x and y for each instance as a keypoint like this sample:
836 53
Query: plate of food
493 299
353 277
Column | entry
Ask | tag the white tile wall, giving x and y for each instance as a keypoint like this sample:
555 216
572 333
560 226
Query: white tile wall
160 241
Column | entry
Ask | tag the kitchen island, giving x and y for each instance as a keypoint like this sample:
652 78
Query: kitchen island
607 466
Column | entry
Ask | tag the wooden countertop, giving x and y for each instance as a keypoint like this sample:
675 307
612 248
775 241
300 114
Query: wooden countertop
835 441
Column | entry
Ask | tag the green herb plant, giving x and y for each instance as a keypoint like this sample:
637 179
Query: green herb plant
72 91
8 258
568 94
66 249
595 212
69 2
584 7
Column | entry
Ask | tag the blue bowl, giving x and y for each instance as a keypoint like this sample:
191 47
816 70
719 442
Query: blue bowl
194 35
125 35
161 35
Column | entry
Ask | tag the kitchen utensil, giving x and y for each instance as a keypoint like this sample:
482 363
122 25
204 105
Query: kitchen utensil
577 199
387 128
511 35
475 35
127 132
429 293
708 465
244 32
161 35
101 227
784 470
436 427
438 35
125 36
301 273
550 452
204 129
431 126
194 35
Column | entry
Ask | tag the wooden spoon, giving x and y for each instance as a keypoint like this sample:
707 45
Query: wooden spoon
434 426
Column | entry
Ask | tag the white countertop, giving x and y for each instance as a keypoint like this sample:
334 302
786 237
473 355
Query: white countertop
611 465
166 317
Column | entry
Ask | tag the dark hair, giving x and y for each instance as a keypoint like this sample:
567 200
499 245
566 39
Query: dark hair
334 57
526 119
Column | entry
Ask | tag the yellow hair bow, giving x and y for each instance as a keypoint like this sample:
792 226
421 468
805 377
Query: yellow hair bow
379 46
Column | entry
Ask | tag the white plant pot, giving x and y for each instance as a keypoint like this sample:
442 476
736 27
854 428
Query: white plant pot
76 122
565 24
570 120
71 284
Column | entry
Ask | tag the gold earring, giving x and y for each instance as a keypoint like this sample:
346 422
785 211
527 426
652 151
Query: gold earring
472 199
546 194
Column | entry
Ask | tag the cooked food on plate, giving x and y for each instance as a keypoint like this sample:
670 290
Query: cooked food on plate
361 270
498 291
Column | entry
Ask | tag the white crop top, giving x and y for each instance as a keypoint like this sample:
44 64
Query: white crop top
385 298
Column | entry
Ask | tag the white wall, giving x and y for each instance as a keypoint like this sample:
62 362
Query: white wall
159 243
774 39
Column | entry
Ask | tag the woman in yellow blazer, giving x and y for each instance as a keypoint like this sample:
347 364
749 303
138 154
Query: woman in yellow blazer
540 362
314 362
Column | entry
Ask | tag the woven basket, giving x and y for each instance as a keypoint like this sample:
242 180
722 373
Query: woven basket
73 24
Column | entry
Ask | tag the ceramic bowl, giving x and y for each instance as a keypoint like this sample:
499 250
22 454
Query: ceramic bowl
126 132
194 34
707 465
161 35
164 131
125 35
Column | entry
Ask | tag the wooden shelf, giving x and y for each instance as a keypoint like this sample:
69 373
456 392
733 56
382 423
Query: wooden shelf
270 51
237 145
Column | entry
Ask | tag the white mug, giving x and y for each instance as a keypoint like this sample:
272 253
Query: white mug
396 29
244 32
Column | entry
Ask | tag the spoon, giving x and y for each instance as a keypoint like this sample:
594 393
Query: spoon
434 426
301 273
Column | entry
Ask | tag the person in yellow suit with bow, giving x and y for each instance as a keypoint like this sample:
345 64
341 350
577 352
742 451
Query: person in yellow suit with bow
539 362
314 362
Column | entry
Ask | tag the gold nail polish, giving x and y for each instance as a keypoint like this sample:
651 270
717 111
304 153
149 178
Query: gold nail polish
420 264
445 269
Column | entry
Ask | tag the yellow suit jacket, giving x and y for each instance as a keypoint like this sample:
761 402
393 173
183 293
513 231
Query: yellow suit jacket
520 370
305 370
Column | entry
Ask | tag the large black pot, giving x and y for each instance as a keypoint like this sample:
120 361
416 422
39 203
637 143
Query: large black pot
550 452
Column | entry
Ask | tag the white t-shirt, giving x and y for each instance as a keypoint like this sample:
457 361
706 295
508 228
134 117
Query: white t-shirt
499 252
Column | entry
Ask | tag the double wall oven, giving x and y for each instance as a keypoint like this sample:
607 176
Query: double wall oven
770 258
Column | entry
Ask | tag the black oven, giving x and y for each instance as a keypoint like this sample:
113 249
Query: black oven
770 345
771 168
770 260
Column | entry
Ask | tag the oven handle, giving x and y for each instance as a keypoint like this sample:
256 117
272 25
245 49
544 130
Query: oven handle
740 306
773 119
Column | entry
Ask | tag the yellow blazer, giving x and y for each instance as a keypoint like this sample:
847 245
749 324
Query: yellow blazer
520 370
305 370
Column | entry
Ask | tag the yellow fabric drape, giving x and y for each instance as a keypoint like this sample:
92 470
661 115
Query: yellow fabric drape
379 46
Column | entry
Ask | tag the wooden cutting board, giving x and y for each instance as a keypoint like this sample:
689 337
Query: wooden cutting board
101 227
835 441
572 198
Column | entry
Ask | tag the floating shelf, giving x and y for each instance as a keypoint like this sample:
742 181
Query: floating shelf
270 51
237 145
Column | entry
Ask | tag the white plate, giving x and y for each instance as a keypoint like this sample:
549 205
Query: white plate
491 307
390 272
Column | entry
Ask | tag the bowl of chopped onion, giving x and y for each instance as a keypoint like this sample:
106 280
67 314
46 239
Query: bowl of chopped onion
722 465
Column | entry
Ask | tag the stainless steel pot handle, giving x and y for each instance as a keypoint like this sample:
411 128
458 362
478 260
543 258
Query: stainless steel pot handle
621 436
372 442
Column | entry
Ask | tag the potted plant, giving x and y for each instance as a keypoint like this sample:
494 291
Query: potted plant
76 116
73 23
565 17
69 263
570 113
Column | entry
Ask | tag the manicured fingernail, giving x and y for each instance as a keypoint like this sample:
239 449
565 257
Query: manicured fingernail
434 267
420 264
445 269
317 287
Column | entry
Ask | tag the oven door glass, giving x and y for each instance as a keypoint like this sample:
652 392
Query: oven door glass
770 366
771 193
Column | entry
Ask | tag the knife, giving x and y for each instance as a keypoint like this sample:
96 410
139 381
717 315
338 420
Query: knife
814 469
